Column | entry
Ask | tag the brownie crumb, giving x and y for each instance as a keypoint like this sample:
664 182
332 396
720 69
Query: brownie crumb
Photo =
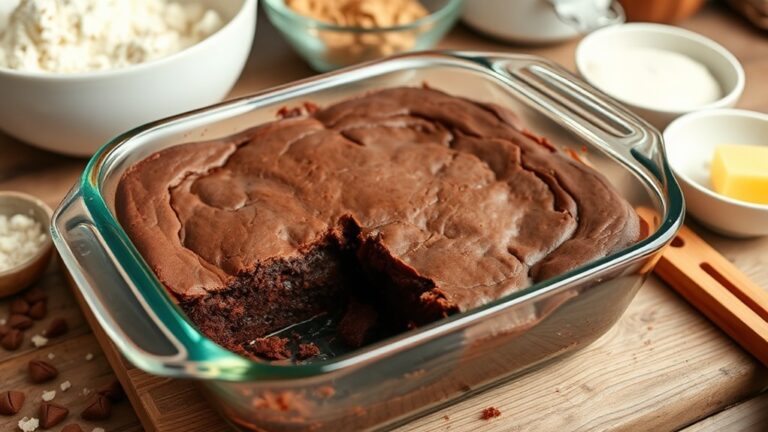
285 112
358 323
326 391
307 350
271 348
446 418
489 413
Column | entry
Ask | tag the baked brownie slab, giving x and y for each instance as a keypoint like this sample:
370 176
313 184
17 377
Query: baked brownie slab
412 201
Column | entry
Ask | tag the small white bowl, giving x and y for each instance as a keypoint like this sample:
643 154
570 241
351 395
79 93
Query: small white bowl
721 63
17 278
537 22
690 142
76 113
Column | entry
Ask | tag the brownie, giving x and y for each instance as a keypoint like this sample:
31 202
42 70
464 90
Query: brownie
412 202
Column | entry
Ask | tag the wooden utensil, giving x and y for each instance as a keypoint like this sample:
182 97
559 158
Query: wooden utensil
718 289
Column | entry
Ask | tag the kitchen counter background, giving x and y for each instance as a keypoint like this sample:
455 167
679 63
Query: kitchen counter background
662 367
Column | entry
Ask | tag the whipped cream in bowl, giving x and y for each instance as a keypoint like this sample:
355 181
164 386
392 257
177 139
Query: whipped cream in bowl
76 73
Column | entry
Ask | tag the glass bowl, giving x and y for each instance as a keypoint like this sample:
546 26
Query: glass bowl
328 46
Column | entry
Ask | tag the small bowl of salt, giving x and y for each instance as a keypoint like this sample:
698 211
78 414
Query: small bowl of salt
660 72
25 245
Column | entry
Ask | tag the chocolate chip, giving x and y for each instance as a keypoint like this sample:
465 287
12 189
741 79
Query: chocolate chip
19 306
34 295
73 427
12 340
11 402
100 409
52 414
56 328
112 391
21 322
38 310
40 371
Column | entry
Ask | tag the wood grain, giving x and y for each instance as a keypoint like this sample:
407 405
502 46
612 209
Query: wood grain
662 367
718 289
750 416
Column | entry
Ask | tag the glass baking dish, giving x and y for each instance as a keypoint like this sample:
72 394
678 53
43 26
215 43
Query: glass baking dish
390 381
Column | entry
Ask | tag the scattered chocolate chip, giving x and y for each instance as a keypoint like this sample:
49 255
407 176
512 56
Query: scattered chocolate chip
73 427
18 306
112 391
38 310
12 340
490 413
34 295
56 328
307 350
20 322
100 409
11 402
52 414
40 371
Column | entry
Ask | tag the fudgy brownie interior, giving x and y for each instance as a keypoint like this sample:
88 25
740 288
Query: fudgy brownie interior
397 207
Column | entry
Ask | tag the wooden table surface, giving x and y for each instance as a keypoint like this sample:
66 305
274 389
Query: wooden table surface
662 367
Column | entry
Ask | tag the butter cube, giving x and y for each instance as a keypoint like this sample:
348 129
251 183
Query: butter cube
741 172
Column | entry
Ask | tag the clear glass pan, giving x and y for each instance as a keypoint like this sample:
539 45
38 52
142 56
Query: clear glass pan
415 371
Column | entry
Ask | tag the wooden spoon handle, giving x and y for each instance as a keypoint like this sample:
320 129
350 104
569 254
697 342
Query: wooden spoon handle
718 289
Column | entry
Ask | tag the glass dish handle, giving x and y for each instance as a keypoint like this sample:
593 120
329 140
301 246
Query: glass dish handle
590 114
114 300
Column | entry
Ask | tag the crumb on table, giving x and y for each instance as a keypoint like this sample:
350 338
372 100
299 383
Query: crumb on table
489 413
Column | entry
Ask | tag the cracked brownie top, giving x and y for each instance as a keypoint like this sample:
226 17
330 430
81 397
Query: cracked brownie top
456 192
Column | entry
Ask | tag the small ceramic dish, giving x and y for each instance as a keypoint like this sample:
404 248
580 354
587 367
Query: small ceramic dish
76 113
691 142
725 68
26 273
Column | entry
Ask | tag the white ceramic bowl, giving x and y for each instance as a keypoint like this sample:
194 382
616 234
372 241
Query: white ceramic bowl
720 62
691 142
76 113
535 21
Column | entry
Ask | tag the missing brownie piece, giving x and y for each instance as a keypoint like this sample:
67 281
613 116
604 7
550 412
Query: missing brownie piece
392 209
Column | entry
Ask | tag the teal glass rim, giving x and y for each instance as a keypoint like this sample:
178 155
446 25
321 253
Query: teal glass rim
205 359
278 7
